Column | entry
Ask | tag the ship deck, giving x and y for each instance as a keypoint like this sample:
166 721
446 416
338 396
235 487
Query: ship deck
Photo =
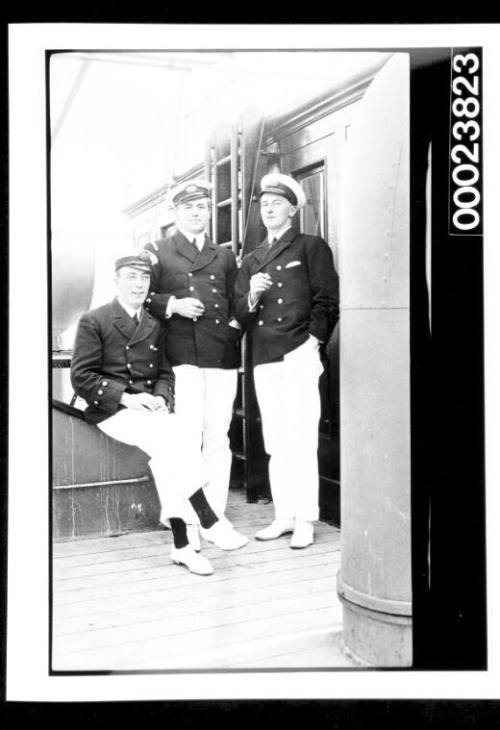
119 603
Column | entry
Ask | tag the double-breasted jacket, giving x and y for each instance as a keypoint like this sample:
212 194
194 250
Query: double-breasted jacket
113 354
181 270
302 300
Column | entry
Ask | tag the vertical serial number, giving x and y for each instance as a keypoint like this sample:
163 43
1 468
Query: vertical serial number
465 148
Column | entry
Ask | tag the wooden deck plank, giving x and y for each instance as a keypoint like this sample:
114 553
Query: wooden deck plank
99 551
167 651
101 545
191 606
70 565
323 650
184 580
225 566
108 604
167 625
258 653
132 566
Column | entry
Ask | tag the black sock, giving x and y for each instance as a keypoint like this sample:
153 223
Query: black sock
206 515
179 532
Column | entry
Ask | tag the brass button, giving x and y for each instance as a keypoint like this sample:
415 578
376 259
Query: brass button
212 277
148 301
130 382
191 288
129 365
149 382
280 301
214 291
105 382
279 284
216 306
217 321
127 347
96 402
152 347
190 273
152 294
151 365
100 392
279 267
261 306
279 319
260 322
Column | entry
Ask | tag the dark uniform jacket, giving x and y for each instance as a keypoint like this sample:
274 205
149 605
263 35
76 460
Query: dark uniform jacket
180 269
303 299
113 354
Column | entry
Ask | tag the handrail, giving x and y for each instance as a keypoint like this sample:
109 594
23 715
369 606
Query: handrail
59 405
252 189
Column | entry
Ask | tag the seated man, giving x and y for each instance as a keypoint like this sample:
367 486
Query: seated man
119 368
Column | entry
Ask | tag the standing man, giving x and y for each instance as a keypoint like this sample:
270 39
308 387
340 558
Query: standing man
192 290
287 297
119 367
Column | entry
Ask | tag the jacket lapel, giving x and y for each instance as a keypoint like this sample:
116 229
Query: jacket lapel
260 253
143 329
206 255
123 323
184 247
127 327
268 254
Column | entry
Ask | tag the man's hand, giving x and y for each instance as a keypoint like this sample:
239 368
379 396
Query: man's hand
188 307
259 283
143 402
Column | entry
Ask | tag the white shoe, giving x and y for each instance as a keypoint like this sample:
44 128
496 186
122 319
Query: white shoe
276 529
224 536
193 561
194 537
303 535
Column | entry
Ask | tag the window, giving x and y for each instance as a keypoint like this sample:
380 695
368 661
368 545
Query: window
313 214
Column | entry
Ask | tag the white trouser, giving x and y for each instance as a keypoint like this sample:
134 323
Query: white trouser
204 397
177 466
290 407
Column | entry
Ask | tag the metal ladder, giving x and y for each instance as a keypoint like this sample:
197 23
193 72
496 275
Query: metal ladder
234 166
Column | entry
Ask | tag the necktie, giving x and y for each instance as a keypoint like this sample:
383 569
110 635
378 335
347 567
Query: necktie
136 318
271 244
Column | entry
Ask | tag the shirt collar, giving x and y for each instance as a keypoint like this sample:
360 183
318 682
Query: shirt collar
131 312
198 237
271 235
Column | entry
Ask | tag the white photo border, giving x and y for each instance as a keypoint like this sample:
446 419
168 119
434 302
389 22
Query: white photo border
28 676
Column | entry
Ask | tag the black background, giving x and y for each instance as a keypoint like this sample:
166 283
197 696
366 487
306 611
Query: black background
448 490
447 415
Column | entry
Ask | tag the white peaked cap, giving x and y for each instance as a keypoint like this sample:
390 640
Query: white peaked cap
279 184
